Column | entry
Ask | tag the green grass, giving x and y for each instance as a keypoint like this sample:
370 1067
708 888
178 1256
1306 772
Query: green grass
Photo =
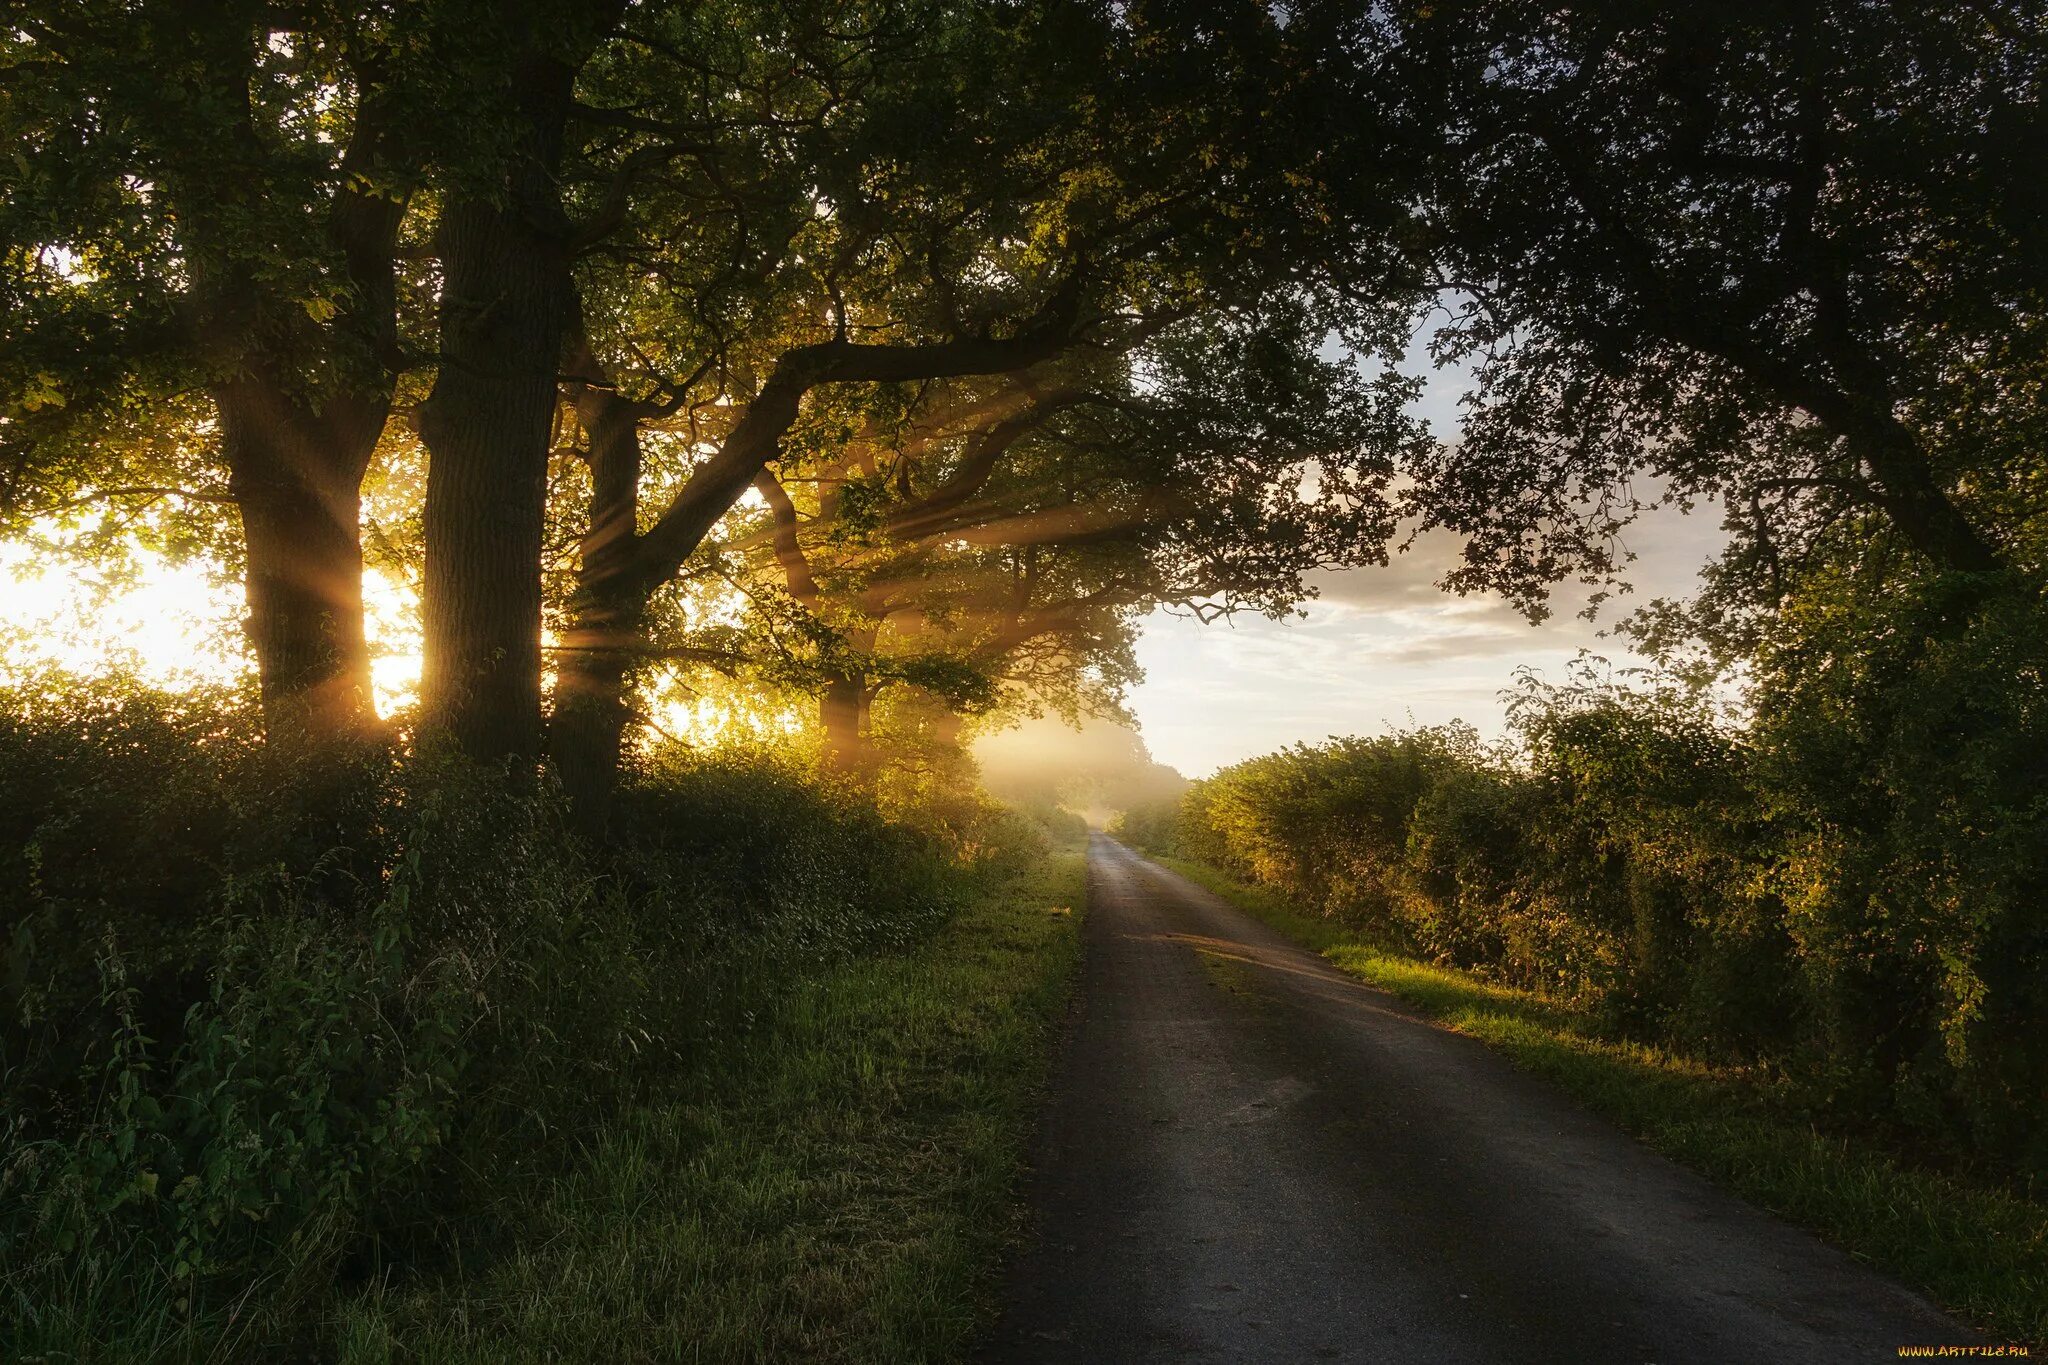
838 1184
1981 1251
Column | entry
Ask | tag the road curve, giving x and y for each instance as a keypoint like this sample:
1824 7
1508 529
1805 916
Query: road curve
1250 1156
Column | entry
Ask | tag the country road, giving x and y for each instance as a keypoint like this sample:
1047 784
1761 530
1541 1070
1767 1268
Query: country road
1250 1156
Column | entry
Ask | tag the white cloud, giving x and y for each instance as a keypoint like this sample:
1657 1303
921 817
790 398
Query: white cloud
1382 648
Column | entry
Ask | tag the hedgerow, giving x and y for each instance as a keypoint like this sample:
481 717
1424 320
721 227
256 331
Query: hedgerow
1845 890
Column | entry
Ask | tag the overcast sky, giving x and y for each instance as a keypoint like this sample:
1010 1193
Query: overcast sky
1383 648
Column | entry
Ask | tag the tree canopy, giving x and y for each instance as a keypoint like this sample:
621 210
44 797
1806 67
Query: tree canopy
896 305
753 408
648 258
1788 258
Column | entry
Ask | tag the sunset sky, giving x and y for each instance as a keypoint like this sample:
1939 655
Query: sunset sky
1378 648
1383 648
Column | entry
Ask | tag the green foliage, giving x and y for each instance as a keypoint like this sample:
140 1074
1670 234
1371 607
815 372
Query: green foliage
1978 1248
1903 752
1764 255
267 1037
1846 890
834 1185
1326 823
278 1015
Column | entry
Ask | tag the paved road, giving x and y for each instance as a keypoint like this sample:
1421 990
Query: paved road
1250 1156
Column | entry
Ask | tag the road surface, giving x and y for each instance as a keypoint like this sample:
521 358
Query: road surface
1250 1156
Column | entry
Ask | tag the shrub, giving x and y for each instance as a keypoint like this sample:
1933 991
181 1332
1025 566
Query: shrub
1903 753
1327 823
1158 826
1848 890
269 1031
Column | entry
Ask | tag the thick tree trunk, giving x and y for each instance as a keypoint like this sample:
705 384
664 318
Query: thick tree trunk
843 708
301 404
305 598
842 711
297 481
595 663
297 478
505 302
587 734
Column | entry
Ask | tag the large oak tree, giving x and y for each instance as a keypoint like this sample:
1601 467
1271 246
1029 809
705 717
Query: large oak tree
205 200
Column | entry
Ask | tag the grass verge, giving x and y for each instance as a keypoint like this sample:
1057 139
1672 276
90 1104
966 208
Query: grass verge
837 1184
1980 1251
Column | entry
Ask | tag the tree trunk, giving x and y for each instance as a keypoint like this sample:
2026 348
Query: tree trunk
843 705
297 482
505 302
587 734
1918 505
842 708
595 662
301 403
947 725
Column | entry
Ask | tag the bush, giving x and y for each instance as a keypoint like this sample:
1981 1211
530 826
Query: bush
1847 891
270 1030
1461 860
1903 754
1328 824
1155 826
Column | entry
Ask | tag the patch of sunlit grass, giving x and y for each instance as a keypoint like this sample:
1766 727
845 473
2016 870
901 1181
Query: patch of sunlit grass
1494 1011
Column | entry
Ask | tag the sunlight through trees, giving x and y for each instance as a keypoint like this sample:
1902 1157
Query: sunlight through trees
520 513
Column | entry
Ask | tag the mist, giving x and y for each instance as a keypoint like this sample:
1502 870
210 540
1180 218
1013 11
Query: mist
1097 770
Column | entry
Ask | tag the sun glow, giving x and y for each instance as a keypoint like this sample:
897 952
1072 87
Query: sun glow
709 722
173 625
165 624
391 620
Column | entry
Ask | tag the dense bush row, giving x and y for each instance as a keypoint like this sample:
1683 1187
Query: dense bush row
265 1034
1851 889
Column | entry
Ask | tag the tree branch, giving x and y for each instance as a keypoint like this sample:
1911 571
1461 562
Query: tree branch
757 437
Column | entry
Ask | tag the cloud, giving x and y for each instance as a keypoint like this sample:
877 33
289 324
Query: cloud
1380 647
1402 598
1407 579
1384 647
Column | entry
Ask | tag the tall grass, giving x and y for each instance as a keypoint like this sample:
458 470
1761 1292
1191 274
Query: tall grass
279 1033
833 1184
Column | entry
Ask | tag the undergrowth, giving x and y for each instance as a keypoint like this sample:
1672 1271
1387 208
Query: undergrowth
834 1184
281 1037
